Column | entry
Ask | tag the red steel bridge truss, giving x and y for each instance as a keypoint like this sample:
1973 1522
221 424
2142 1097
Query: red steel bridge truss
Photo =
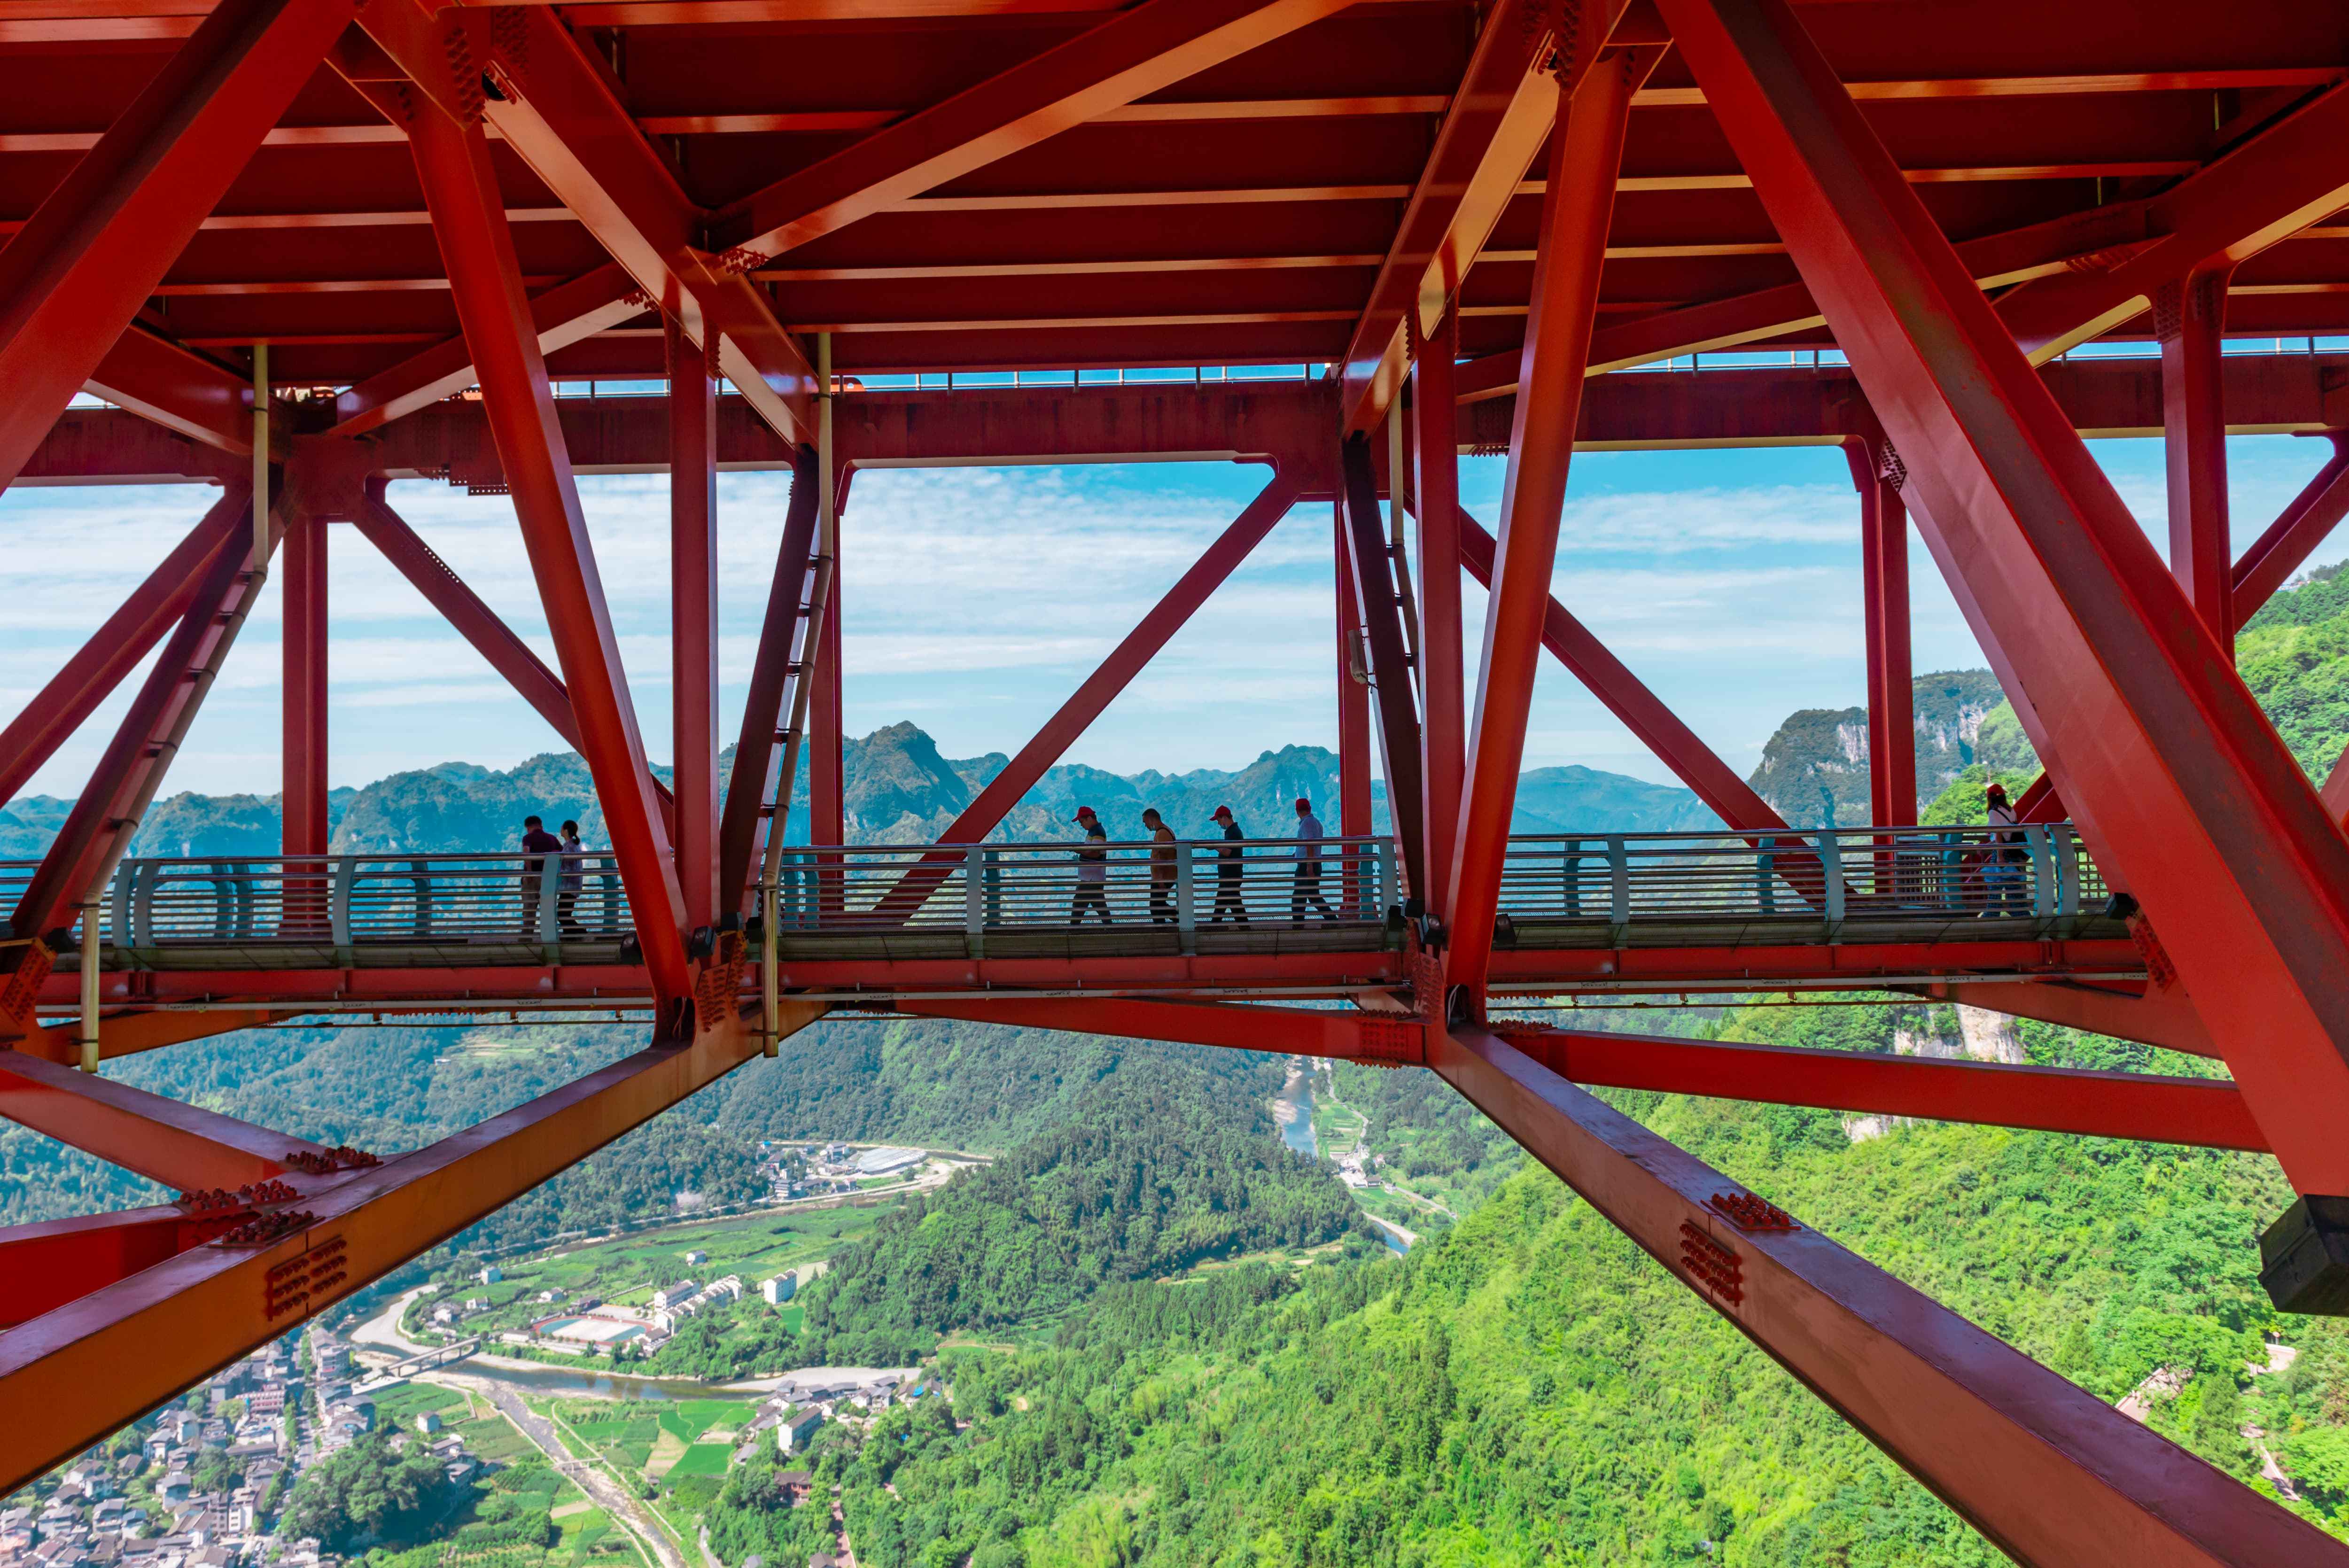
299 248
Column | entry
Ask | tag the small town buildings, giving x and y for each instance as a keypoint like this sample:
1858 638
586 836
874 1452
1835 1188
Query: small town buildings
781 1288
792 1432
491 1275
695 1258
669 1297
428 1422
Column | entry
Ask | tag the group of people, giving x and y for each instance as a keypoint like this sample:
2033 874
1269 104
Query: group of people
1231 903
538 843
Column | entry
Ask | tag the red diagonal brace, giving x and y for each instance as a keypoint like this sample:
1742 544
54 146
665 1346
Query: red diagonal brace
476 246
1625 696
2178 780
116 648
1585 157
2295 533
1141 645
141 752
752 784
1396 702
182 1146
87 260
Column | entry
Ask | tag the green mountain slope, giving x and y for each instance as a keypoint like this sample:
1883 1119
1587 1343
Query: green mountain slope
1818 756
1162 1166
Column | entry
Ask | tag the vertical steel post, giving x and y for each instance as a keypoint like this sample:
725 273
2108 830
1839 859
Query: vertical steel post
1585 153
261 505
693 616
771 998
1891 680
1442 681
827 817
87 1038
1353 697
303 711
2189 316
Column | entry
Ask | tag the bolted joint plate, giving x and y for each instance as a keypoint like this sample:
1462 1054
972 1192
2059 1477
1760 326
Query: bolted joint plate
2304 1257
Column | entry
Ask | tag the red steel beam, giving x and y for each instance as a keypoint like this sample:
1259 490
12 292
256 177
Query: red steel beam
1130 56
2278 183
2156 1016
752 784
1353 694
49 1264
82 1370
462 608
1891 681
1247 1028
2179 782
1099 689
1376 604
1659 729
141 748
1579 201
566 314
129 1032
2051 1474
304 828
477 247
2188 315
1443 723
827 737
2294 535
1492 131
83 265
73 693
179 389
182 1146
2206 1113
693 618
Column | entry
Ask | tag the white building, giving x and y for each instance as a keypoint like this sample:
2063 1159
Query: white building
886 1161
792 1432
781 1288
669 1296
696 1256
491 1275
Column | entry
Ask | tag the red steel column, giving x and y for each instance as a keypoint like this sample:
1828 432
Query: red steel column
485 280
2188 317
1442 727
1892 678
2179 784
91 254
1353 697
1585 156
827 809
304 649
693 618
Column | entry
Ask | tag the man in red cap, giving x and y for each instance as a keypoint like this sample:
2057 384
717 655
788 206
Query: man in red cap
1093 870
1308 887
1227 871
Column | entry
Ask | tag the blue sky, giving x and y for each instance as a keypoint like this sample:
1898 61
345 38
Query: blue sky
977 599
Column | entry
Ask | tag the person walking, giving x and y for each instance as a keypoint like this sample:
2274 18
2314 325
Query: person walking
1227 871
574 863
1093 870
537 843
1306 888
2002 871
1162 867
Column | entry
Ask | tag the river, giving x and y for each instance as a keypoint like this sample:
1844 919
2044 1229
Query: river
594 1384
1294 1112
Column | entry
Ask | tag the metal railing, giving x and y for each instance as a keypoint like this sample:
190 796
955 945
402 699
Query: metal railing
1586 888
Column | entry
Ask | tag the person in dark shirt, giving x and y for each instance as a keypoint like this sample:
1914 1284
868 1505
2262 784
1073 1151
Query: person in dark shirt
1306 893
1228 900
574 863
537 843
1093 870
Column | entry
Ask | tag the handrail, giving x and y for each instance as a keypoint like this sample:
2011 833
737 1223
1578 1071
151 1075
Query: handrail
1600 883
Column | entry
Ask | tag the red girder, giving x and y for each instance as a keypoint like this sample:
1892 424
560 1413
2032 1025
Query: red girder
182 1146
693 620
1379 612
80 267
751 786
1585 156
2179 782
1884 589
477 247
1443 677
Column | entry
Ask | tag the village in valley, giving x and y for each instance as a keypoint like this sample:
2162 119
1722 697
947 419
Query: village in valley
587 1401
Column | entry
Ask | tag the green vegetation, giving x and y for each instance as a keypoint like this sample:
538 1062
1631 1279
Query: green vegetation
1167 1167
366 1494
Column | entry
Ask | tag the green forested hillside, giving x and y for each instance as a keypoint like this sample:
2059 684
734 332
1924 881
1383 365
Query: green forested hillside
1529 1387
1162 1167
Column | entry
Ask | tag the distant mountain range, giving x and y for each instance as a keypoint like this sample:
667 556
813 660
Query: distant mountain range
899 789
1818 760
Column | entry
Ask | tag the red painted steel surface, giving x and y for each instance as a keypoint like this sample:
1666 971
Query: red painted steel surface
2178 781
1884 607
1584 160
750 784
693 621
302 589
1442 675
2189 315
